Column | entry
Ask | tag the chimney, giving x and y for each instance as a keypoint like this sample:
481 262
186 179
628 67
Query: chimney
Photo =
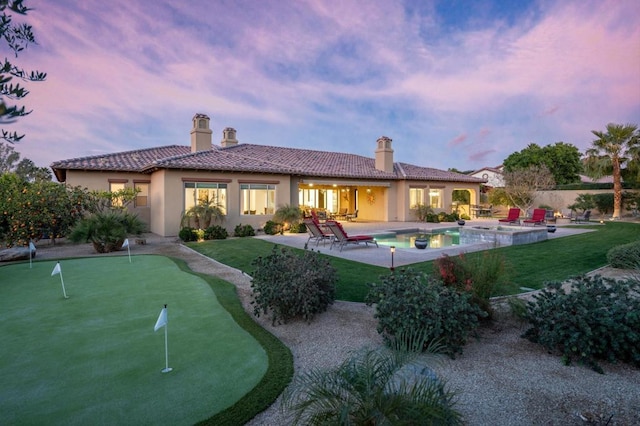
200 133
384 155
228 137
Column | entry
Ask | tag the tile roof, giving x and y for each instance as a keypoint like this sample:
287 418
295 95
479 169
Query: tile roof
255 159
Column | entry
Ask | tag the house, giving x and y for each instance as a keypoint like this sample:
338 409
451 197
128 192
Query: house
492 175
251 181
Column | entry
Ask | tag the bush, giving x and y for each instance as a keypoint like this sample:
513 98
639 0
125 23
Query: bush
186 234
432 217
244 231
448 217
273 228
482 276
299 228
409 302
598 318
626 256
106 230
215 232
289 286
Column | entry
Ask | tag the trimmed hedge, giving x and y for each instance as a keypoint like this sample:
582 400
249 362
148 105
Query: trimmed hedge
626 256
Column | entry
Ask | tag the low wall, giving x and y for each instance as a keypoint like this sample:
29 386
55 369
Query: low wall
503 236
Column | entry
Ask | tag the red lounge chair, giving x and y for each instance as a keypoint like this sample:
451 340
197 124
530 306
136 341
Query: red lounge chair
317 232
512 217
342 239
538 217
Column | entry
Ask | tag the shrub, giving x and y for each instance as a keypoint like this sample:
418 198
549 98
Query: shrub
409 302
186 234
299 228
448 217
288 214
289 286
626 256
432 217
273 228
465 216
244 231
106 230
598 318
480 275
215 232
422 212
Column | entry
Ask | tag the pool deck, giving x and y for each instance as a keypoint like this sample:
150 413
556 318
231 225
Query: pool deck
381 256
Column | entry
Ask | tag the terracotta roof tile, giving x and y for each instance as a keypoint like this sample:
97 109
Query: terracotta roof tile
255 159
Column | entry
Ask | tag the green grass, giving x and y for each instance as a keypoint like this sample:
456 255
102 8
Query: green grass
530 265
94 357
240 252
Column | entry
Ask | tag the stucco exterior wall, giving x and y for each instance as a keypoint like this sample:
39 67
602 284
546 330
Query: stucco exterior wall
560 200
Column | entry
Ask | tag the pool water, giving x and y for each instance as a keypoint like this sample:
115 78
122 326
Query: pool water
437 238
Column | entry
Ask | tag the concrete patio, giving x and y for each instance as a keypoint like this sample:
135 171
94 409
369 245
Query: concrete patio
381 256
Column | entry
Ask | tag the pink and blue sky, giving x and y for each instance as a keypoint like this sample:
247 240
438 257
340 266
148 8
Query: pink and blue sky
454 83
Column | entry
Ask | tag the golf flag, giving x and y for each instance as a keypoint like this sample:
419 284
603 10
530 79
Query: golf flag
32 248
162 319
56 269
126 243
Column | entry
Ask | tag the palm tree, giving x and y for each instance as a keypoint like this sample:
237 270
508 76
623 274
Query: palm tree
372 387
206 211
609 154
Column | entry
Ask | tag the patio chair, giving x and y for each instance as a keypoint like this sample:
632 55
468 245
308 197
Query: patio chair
318 217
342 239
584 218
352 216
512 217
317 232
538 217
342 214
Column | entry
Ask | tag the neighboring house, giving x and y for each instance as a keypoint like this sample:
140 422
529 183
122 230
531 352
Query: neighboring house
250 181
492 175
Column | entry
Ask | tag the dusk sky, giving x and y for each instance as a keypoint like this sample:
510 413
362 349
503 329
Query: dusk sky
454 83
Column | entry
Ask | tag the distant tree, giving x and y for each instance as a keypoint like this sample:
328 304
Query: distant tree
522 185
17 37
562 160
9 157
610 153
28 171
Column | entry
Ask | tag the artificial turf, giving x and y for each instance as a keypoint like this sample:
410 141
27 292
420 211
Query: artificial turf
95 359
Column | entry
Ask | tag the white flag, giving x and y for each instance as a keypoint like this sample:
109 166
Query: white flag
162 320
31 246
56 269
126 243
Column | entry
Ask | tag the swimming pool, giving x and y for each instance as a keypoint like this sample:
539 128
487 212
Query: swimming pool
445 237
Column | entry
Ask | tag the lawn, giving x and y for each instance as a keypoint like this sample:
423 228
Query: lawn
95 359
528 265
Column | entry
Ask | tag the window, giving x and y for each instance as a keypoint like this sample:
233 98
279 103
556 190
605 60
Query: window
115 187
416 196
435 198
257 198
205 193
142 197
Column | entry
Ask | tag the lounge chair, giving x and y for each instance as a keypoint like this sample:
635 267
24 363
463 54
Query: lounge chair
317 232
352 216
512 217
342 239
584 218
538 217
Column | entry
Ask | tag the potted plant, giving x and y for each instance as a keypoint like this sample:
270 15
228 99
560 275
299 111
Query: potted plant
421 242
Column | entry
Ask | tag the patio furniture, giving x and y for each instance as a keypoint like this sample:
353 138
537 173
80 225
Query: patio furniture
550 217
342 214
352 216
342 239
584 218
538 217
317 232
512 217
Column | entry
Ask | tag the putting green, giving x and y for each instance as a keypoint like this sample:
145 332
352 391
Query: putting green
94 358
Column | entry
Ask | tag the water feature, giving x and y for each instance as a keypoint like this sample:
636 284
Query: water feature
437 238
502 235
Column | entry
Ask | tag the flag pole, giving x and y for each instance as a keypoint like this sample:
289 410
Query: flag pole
126 244
166 346
64 293
32 249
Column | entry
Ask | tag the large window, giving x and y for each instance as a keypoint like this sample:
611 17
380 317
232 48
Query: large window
435 198
323 199
257 198
116 186
142 197
416 197
214 194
